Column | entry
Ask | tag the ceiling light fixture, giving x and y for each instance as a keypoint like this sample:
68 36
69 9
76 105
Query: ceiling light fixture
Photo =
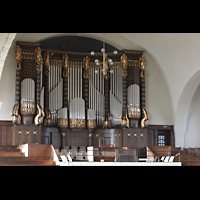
106 62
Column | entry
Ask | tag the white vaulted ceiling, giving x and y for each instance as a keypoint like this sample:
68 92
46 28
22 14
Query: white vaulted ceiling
174 57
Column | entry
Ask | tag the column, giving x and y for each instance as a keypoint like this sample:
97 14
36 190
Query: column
124 63
65 80
86 85
106 122
47 119
38 58
18 54
142 86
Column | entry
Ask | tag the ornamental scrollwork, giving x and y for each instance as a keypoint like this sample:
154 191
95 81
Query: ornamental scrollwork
142 62
65 60
86 67
62 123
91 123
18 56
77 123
124 63
47 55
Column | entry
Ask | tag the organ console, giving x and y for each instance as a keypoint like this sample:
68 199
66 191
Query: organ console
68 92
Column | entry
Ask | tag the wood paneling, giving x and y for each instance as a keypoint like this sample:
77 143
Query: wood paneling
27 134
135 138
7 135
52 136
154 130
77 138
113 135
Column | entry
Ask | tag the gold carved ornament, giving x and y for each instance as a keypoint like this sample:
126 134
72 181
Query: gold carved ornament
77 123
124 63
144 121
62 123
27 107
47 55
91 123
90 135
142 62
38 58
49 117
63 134
15 114
65 60
18 56
135 112
106 122
39 118
125 120
106 66
86 67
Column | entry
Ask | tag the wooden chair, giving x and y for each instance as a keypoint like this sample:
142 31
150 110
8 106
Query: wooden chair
171 159
162 158
167 159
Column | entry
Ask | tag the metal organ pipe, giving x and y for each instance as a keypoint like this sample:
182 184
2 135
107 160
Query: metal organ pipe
97 117
78 82
51 88
94 82
70 84
81 72
75 82
55 90
116 95
96 91
75 90
96 97
78 90
28 90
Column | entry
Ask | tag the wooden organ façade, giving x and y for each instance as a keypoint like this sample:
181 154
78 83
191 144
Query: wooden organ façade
63 98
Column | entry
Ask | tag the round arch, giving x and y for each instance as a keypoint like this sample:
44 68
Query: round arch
182 112
115 39
6 40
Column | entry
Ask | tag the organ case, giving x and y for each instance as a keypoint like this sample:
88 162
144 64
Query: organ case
67 90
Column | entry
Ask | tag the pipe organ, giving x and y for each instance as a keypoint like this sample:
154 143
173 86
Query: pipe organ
116 96
96 96
55 91
68 92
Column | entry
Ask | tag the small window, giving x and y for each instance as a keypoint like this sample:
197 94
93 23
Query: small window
161 140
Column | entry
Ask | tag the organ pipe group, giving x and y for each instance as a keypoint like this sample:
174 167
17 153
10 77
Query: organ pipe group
67 89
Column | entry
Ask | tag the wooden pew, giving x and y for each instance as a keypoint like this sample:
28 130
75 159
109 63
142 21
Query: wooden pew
161 150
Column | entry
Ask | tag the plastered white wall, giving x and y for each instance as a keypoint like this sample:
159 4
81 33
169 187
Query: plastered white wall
7 85
158 102
173 57
192 135
156 92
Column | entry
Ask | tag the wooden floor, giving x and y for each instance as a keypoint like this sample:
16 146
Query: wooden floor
12 156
